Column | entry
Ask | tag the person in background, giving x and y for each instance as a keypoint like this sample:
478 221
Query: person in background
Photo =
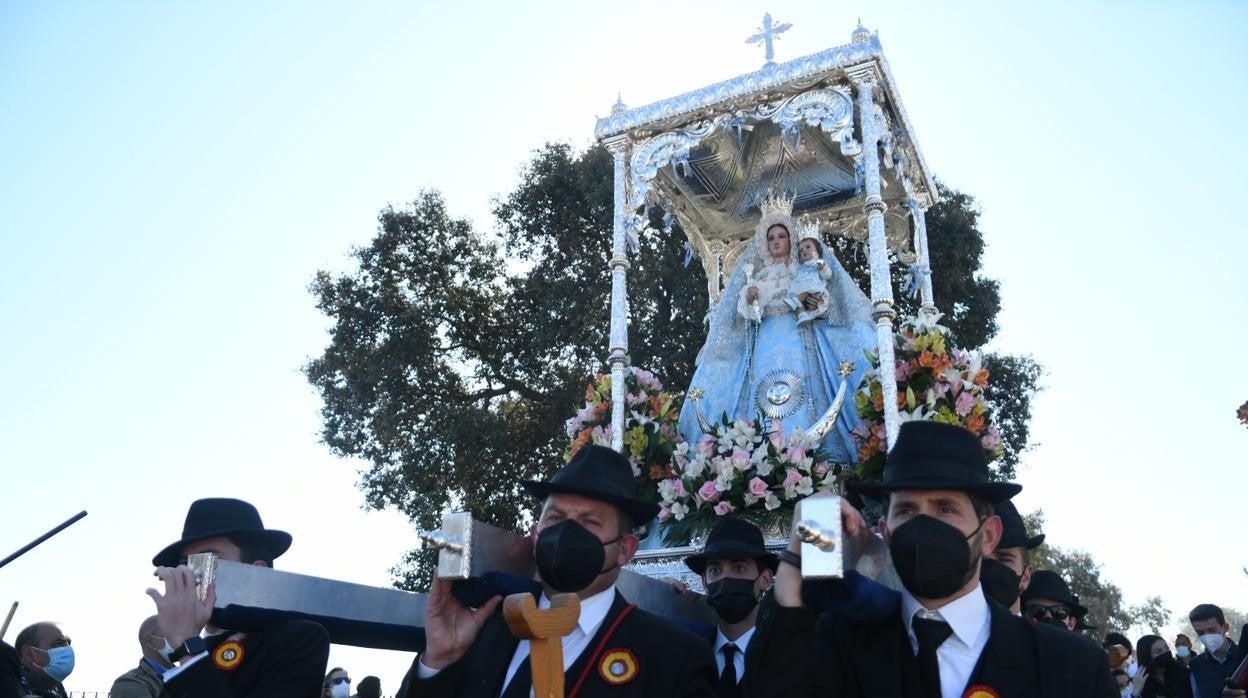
1159 676
1048 600
47 660
337 684
146 680
1211 668
368 687
1121 652
1183 649
736 569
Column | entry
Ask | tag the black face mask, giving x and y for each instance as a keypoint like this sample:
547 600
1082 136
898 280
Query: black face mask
569 557
1000 582
932 557
732 599
1162 660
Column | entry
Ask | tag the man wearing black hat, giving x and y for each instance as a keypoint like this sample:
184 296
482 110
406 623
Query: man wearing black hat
285 660
1006 574
947 640
583 535
736 569
1048 600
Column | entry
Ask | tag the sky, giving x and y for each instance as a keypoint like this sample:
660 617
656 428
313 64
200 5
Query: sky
172 175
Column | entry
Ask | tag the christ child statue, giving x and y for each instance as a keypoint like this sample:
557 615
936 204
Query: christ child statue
810 281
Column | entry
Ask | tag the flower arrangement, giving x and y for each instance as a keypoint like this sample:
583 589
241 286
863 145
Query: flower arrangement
650 435
744 468
934 382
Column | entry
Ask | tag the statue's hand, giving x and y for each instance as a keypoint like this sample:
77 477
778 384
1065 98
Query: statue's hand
751 294
810 301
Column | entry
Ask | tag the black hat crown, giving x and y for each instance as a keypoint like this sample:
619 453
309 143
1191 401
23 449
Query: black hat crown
600 473
733 539
225 518
934 456
1047 584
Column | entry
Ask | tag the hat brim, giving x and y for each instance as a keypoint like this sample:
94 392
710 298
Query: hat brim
276 542
640 511
992 491
1035 541
732 550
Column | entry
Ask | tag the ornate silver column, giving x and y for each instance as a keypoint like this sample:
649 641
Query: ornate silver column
924 262
617 346
877 251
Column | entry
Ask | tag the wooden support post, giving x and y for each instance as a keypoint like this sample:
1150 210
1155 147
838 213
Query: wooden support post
8 619
544 629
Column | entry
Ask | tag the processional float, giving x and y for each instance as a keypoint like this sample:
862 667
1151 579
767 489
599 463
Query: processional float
830 131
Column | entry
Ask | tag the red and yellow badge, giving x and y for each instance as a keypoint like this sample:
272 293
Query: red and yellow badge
618 666
228 655
981 691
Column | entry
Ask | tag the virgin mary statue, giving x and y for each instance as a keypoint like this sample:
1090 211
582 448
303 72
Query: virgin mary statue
774 347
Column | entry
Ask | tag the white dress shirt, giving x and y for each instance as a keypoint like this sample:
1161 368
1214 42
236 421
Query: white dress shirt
593 612
738 659
971 622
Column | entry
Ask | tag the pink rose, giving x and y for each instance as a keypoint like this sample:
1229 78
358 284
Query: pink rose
796 454
707 491
821 469
758 488
964 404
678 488
792 476
992 439
740 459
723 508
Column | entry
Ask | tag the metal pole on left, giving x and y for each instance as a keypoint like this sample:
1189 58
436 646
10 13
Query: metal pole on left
618 344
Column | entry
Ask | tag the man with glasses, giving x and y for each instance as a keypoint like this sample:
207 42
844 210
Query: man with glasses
337 684
1047 599
47 659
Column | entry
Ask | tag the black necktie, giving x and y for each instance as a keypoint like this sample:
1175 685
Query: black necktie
930 634
728 686
521 683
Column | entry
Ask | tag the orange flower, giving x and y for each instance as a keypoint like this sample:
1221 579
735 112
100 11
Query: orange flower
901 399
981 378
877 400
927 359
975 423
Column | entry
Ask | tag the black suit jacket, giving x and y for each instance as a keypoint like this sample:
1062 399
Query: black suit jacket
286 660
10 672
671 661
792 654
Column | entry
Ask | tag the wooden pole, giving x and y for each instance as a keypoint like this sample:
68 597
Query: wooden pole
544 629
8 619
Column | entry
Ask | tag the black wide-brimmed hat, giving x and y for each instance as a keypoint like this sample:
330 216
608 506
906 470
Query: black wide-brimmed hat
935 456
1014 531
734 539
600 473
226 518
1047 584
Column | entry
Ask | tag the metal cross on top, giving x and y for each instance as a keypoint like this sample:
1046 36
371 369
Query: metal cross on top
767 34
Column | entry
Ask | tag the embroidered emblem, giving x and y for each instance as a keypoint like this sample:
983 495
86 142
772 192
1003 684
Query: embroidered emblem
618 666
981 691
228 655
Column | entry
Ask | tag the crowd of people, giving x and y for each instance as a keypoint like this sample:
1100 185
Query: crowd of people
971 618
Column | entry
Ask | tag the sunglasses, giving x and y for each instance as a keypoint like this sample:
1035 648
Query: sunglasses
341 679
1038 611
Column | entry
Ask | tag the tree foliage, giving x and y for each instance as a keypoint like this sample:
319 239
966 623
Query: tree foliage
455 357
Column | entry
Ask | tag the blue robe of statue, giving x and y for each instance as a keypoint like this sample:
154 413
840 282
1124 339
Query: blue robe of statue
759 358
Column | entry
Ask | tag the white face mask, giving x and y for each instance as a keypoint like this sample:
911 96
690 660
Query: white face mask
1212 642
340 690
1132 668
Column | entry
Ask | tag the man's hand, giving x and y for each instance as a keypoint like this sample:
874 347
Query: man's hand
788 584
450 626
181 614
1229 692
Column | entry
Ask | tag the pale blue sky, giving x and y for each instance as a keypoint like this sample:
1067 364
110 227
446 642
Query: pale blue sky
174 174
